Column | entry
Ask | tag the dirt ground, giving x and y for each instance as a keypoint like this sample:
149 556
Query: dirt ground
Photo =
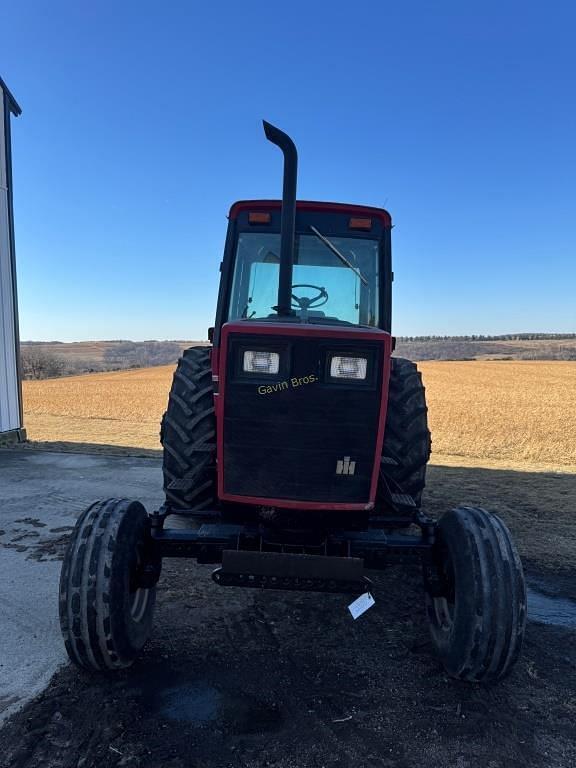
251 679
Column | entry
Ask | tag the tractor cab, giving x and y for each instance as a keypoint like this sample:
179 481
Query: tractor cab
340 268
305 262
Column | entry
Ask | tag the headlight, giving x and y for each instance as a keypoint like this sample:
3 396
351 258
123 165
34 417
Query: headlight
348 367
261 362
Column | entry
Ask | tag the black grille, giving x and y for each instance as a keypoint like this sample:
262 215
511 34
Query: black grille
284 435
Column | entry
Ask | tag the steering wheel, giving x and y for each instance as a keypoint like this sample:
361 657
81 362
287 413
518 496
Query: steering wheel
304 302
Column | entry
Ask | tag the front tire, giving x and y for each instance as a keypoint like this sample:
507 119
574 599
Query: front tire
105 616
478 617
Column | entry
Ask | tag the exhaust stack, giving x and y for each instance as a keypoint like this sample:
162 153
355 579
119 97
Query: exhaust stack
288 218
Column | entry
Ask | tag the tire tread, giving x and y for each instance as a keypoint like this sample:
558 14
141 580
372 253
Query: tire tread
85 604
490 614
188 435
406 437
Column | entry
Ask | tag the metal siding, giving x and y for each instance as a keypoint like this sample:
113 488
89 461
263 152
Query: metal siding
9 389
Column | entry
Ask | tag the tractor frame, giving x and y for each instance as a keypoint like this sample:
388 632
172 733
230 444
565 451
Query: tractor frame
332 555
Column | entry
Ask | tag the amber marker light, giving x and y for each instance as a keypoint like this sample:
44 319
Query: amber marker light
258 217
358 223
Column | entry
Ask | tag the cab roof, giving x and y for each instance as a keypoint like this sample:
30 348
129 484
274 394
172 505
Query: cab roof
310 205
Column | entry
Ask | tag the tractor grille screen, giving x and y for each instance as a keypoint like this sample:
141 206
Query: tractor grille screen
300 434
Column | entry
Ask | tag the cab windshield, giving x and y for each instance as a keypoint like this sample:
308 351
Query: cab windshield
335 279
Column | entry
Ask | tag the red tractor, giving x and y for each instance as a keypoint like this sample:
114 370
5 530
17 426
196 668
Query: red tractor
295 449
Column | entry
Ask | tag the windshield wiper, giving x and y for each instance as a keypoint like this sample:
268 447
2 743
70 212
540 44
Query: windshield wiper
336 252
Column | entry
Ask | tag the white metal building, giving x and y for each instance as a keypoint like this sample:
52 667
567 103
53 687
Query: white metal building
11 421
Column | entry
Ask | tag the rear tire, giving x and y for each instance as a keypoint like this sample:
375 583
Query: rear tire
477 623
407 442
105 617
188 435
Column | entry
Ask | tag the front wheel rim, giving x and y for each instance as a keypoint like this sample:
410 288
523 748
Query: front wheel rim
139 603
444 605
443 613
139 596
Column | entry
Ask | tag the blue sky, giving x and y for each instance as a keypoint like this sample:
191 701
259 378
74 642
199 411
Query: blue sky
141 125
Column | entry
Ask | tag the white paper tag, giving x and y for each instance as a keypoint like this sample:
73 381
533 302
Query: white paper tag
361 605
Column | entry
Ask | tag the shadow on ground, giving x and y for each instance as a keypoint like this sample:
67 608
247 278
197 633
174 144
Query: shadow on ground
90 448
538 507
249 678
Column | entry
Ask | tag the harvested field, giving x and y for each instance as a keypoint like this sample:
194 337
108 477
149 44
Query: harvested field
512 412
118 408
500 413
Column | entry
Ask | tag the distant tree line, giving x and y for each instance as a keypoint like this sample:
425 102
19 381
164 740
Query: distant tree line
142 354
501 337
37 362
460 348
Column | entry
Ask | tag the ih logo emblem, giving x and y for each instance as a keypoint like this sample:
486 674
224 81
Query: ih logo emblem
345 466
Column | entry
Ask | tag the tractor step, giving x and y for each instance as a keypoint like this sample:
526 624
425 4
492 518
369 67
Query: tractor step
274 570
403 500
